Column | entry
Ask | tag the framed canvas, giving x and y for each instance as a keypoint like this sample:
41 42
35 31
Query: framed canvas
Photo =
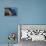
10 11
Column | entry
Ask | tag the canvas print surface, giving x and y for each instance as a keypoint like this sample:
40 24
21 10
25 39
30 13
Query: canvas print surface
10 11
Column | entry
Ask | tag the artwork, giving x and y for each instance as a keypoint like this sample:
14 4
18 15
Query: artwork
33 32
12 38
10 11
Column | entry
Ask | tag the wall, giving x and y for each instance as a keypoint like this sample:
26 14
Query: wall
29 12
